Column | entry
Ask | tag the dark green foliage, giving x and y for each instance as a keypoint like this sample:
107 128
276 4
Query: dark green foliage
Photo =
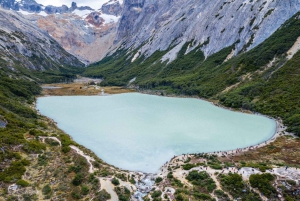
102 195
34 146
123 193
13 172
75 195
115 181
51 142
28 197
75 169
201 179
131 180
262 182
201 196
188 166
25 162
179 197
121 176
85 190
235 186
22 183
176 182
170 175
213 162
156 194
261 166
42 160
46 189
158 180
221 195
77 179
36 132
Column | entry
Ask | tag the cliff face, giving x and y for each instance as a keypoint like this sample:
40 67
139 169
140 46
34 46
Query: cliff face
158 25
215 24
88 37
82 31
23 44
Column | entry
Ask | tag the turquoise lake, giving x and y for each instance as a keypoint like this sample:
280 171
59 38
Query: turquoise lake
141 132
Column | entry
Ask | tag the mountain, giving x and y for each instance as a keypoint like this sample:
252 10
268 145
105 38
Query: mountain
234 52
157 25
84 32
25 49
242 54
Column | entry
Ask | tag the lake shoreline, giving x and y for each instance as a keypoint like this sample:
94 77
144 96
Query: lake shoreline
217 152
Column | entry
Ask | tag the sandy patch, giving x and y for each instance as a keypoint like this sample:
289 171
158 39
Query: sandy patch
109 187
294 49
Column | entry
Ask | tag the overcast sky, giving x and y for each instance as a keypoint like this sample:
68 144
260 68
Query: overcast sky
96 4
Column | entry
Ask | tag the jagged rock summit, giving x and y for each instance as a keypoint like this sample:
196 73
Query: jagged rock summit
84 32
151 25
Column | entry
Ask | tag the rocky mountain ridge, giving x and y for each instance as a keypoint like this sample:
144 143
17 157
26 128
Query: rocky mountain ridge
24 45
152 25
84 32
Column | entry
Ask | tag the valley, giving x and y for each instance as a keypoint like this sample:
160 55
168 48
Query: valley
240 55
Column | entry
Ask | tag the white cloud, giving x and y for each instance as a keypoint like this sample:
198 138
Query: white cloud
95 4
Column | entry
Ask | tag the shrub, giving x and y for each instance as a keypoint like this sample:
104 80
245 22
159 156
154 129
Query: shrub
85 190
115 181
262 182
201 179
102 195
77 179
188 166
158 180
170 175
156 194
75 195
22 183
34 147
46 189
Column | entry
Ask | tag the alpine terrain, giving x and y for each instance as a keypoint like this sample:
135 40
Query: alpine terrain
239 54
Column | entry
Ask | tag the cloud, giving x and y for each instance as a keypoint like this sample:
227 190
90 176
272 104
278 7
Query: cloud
95 4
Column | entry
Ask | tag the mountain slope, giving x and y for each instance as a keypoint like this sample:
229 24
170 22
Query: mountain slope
156 25
245 81
26 50
82 31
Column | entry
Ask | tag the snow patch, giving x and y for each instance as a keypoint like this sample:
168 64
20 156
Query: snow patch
43 13
23 12
114 1
82 13
110 18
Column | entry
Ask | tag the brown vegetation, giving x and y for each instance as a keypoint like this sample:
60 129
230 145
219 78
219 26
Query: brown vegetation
77 89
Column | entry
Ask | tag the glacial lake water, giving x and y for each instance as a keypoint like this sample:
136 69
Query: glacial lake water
141 132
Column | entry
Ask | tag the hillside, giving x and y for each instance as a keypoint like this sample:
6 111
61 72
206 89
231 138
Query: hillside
246 81
242 54
28 52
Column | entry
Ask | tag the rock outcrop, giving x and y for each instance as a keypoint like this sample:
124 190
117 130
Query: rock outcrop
158 24
22 43
82 31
